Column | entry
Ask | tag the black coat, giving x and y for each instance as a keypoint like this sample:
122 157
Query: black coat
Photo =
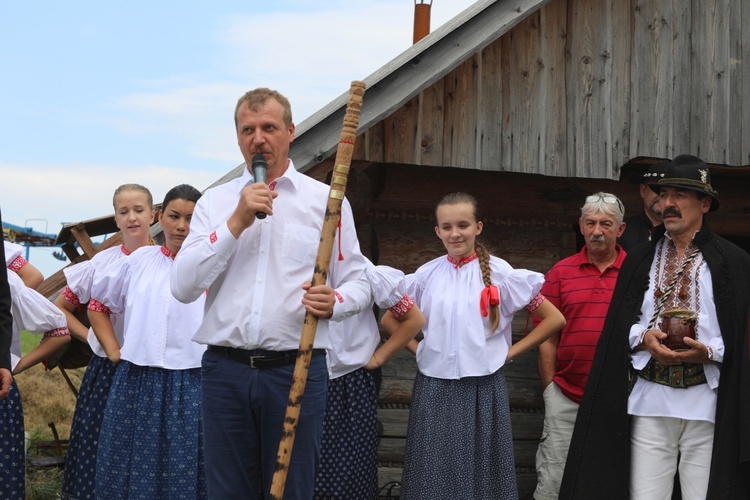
6 320
598 464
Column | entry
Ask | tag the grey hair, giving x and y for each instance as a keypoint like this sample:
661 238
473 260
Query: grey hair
606 203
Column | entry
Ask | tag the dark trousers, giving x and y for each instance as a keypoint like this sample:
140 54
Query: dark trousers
243 417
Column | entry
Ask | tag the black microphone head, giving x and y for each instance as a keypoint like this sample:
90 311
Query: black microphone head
259 166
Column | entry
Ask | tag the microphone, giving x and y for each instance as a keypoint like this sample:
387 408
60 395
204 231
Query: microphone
259 167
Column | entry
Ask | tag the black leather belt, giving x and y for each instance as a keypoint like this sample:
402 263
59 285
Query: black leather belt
260 358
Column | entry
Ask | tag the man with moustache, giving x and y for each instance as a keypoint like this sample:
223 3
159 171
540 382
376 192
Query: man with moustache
639 228
581 287
649 411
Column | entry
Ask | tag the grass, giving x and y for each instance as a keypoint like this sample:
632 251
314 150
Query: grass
46 398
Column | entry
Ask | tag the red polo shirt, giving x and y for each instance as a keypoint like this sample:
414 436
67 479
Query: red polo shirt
582 293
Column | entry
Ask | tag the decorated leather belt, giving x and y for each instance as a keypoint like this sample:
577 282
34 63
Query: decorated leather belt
679 376
260 358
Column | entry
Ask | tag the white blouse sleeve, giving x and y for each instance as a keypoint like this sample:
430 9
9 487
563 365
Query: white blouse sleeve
32 311
388 286
12 252
110 285
518 288
79 278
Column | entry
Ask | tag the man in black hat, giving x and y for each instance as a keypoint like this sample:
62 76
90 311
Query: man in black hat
648 410
639 228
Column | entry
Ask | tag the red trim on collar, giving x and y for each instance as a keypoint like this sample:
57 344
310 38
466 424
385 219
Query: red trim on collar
124 250
463 260
167 253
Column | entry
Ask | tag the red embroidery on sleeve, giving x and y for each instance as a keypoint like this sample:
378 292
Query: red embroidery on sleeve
95 305
213 237
57 332
17 264
339 297
70 296
402 306
536 302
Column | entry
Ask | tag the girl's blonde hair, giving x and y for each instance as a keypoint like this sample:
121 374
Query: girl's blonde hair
134 187
483 255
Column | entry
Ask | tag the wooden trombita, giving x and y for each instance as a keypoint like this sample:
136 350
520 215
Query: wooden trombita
309 327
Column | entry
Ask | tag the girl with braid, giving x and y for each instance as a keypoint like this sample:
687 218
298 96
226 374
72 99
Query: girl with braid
459 442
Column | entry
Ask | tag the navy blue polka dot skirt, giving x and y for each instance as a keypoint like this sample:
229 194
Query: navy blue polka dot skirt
80 461
12 447
348 467
459 442
151 443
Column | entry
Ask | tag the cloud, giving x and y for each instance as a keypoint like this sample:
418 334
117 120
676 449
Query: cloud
61 197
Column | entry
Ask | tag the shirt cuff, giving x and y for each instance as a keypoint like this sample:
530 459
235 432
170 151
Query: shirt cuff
223 241
637 333
71 297
95 305
717 346
402 307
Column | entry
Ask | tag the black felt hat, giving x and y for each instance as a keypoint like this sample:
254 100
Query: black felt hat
689 172
651 176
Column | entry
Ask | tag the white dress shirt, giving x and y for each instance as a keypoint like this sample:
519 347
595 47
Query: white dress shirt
649 399
81 276
255 282
32 312
157 327
457 341
355 338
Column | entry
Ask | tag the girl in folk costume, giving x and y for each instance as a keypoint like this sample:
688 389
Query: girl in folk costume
134 215
14 260
151 439
459 442
348 465
34 313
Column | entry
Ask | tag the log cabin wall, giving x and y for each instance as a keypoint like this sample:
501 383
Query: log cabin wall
579 87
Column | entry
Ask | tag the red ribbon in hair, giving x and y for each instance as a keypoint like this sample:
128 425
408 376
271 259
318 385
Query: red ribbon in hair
490 297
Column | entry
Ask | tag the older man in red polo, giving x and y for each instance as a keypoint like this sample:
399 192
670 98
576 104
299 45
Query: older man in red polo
581 287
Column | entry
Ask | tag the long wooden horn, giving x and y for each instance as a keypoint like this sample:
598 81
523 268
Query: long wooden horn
328 234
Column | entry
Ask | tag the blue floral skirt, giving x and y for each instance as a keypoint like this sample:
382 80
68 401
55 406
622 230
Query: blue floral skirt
459 442
151 443
12 447
348 466
80 462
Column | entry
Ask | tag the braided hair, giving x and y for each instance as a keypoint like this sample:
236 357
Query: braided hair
483 254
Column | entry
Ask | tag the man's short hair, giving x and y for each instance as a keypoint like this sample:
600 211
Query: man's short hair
606 203
254 99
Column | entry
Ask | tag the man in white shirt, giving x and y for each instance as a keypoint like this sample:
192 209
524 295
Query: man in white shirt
256 273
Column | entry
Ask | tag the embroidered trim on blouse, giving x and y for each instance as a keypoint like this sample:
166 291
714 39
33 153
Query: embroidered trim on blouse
95 305
71 297
463 260
167 253
402 306
535 302
124 250
57 332
212 237
17 264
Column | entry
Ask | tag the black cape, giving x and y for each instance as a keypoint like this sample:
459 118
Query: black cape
598 464
6 320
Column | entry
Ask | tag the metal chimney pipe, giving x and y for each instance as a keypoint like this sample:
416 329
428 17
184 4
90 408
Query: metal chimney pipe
421 19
